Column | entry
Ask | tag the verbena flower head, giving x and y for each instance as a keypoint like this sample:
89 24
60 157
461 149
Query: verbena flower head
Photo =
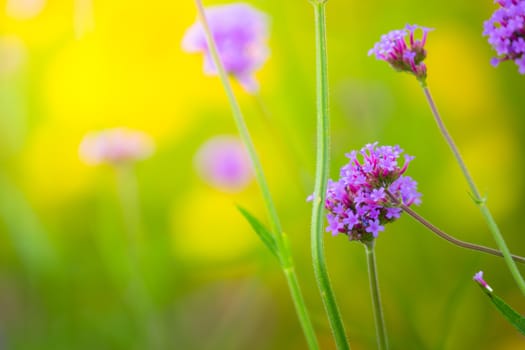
478 277
223 163
241 34
115 146
359 203
506 32
402 51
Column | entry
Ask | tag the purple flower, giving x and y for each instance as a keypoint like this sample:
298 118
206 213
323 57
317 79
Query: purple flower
506 32
240 32
223 163
478 277
359 203
403 55
115 146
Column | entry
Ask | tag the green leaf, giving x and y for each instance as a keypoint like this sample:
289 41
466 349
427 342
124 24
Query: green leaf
264 234
508 312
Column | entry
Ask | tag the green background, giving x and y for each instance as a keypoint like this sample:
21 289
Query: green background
202 279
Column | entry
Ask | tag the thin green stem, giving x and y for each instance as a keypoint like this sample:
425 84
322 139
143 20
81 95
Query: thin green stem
321 179
382 340
284 251
493 227
239 121
295 290
128 196
452 146
139 298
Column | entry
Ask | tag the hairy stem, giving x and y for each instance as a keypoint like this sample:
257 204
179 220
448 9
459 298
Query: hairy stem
321 179
382 340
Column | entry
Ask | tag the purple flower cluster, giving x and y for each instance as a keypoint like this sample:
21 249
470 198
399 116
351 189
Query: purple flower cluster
402 56
241 33
359 203
506 32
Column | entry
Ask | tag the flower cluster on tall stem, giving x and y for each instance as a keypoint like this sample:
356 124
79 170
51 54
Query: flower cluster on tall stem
359 204
487 215
505 30
403 51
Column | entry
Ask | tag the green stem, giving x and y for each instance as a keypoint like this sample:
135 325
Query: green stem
321 179
239 122
493 227
382 340
128 196
139 298
284 251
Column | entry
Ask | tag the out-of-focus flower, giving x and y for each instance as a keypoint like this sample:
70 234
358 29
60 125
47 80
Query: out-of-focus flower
24 9
478 277
506 32
241 34
13 55
402 56
115 146
223 163
359 203
84 18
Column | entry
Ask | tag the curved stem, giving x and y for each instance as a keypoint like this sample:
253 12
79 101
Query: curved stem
382 340
284 251
456 241
321 179
448 237
493 227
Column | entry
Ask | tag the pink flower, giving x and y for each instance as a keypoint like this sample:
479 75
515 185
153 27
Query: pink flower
223 163
115 146
240 32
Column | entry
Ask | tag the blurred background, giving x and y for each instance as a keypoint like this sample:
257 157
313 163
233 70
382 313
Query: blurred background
197 277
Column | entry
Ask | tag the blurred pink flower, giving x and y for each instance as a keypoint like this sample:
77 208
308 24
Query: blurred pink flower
13 55
240 32
223 163
115 146
24 9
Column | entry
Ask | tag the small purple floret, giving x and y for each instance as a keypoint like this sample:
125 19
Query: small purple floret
241 33
403 51
506 32
359 203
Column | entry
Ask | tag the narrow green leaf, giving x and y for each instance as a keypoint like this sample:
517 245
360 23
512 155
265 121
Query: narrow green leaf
516 319
264 234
